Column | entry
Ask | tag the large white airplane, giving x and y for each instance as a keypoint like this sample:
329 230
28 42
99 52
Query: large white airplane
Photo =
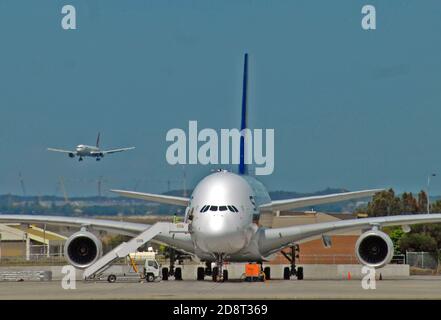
83 150
222 225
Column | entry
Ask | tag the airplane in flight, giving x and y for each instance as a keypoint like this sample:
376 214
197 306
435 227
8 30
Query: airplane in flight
83 150
221 225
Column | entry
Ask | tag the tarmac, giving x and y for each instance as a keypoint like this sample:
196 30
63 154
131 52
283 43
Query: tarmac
415 287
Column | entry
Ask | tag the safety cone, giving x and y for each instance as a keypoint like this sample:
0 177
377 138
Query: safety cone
349 276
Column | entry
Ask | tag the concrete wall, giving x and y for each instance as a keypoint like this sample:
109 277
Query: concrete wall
311 271
354 271
235 271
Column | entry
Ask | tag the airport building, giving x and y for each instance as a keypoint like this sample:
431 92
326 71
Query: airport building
29 241
315 251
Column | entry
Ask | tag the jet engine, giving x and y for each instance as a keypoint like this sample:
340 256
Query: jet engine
82 249
374 249
71 155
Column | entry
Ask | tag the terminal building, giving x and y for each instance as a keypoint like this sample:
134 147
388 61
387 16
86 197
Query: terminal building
29 242
342 244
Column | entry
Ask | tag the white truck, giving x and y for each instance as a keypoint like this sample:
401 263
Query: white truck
150 270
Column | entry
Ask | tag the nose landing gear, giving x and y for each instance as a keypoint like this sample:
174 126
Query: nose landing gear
80 159
219 274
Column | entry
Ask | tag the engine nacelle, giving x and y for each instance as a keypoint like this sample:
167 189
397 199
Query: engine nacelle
82 249
71 155
374 249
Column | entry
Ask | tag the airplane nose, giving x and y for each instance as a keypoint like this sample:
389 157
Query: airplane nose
216 225
219 233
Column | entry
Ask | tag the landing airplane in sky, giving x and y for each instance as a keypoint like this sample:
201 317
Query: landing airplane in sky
222 225
83 150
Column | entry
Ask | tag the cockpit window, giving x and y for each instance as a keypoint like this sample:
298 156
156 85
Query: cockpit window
220 208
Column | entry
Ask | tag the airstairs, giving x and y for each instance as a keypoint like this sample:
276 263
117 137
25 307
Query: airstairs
125 248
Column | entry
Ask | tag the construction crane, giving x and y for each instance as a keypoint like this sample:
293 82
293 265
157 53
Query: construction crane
63 189
23 188
184 182
100 178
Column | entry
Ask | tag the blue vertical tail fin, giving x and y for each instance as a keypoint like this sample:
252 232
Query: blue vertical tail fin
243 124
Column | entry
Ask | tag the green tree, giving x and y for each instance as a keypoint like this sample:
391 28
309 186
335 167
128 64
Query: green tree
384 203
395 234
417 242
422 202
436 206
409 204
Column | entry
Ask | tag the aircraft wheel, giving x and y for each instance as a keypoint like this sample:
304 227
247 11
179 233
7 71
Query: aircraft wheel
267 272
201 274
214 274
150 277
225 275
300 273
164 274
286 273
178 274
111 278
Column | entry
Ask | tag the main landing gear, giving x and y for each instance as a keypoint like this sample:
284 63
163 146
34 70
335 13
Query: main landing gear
202 272
80 159
292 270
171 271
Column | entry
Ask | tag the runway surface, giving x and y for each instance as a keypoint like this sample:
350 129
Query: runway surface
417 287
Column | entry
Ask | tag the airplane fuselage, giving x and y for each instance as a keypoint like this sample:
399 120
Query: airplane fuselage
222 213
83 150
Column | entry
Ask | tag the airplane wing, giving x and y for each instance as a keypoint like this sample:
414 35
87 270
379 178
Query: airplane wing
60 150
116 150
181 242
120 227
179 201
272 240
316 200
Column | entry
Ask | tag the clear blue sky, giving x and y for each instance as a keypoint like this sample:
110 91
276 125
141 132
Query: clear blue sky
350 108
